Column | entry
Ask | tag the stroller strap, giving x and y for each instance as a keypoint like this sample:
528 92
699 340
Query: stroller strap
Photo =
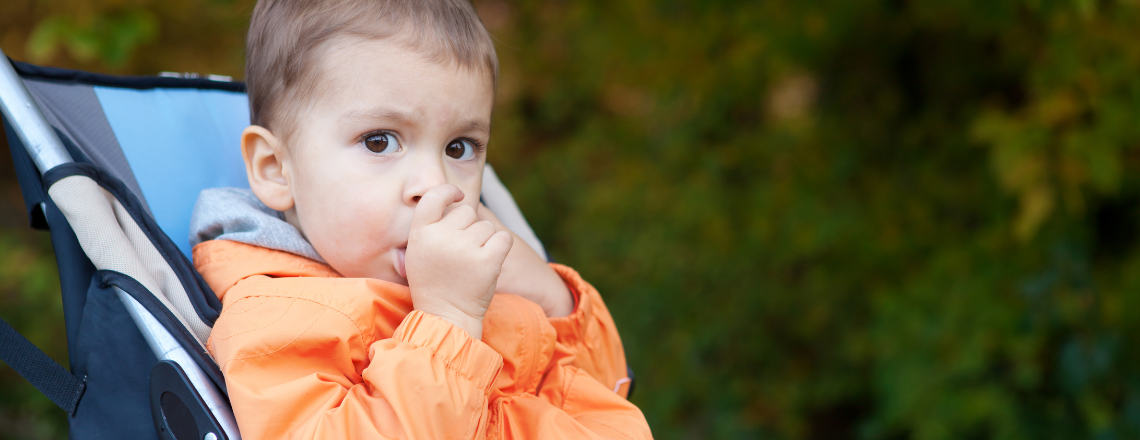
48 376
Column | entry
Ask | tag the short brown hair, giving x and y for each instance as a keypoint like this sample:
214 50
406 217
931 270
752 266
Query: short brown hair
286 37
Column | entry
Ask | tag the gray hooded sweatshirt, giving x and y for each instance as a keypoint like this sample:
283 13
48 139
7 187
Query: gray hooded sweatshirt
236 214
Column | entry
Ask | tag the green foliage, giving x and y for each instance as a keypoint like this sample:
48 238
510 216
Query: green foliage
109 38
843 219
871 219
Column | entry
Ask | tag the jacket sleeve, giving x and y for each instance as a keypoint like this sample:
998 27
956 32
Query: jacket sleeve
590 333
299 369
577 407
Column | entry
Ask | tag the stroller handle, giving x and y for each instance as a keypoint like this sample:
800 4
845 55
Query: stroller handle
28 122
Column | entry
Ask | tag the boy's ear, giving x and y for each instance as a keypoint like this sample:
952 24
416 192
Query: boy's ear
267 167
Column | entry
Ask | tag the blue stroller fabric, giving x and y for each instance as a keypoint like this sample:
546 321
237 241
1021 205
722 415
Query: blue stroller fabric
198 131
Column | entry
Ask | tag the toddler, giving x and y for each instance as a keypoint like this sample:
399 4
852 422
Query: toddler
367 293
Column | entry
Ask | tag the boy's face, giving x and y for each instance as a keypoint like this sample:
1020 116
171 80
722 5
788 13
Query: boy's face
388 125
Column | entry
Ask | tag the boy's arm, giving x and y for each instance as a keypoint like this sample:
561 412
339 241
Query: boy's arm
541 392
589 331
291 366
574 306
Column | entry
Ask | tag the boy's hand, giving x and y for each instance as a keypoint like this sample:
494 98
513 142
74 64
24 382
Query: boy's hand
526 274
453 260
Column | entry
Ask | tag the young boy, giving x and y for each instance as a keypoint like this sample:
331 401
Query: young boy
367 294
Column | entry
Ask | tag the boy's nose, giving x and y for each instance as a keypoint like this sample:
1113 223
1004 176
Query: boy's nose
422 176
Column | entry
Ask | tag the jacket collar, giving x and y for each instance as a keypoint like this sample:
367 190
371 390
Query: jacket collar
223 263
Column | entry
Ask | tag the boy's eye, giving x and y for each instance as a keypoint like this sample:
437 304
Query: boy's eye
460 149
381 143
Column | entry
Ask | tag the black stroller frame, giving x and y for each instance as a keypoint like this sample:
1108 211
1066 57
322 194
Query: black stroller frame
188 397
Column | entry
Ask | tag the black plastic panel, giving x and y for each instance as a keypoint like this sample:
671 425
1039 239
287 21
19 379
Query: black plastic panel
179 412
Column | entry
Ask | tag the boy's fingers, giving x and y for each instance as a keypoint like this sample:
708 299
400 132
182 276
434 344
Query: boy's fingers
459 218
433 203
498 245
481 231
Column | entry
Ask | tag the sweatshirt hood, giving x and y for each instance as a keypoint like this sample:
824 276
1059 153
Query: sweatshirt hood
235 214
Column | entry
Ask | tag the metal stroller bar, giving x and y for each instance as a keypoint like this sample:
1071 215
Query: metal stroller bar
30 125
47 151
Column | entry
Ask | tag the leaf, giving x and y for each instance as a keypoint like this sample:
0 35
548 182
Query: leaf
46 38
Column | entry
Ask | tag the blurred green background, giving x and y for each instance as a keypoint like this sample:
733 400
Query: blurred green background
865 219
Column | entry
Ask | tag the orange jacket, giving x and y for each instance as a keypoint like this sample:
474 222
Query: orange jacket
308 354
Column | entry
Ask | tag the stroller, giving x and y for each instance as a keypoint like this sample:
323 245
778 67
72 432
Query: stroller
112 167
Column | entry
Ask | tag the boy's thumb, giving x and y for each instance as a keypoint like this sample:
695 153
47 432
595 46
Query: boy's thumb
433 204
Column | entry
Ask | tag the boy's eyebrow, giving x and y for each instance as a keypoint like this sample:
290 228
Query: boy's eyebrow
408 118
382 113
476 125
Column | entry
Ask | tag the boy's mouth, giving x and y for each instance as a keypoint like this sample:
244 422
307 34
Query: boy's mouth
400 270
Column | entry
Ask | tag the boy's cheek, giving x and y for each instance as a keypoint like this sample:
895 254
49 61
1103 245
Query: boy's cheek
367 229
469 179
358 251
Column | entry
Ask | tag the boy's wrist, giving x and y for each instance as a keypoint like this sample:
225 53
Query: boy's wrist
559 301
473 325
531 278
